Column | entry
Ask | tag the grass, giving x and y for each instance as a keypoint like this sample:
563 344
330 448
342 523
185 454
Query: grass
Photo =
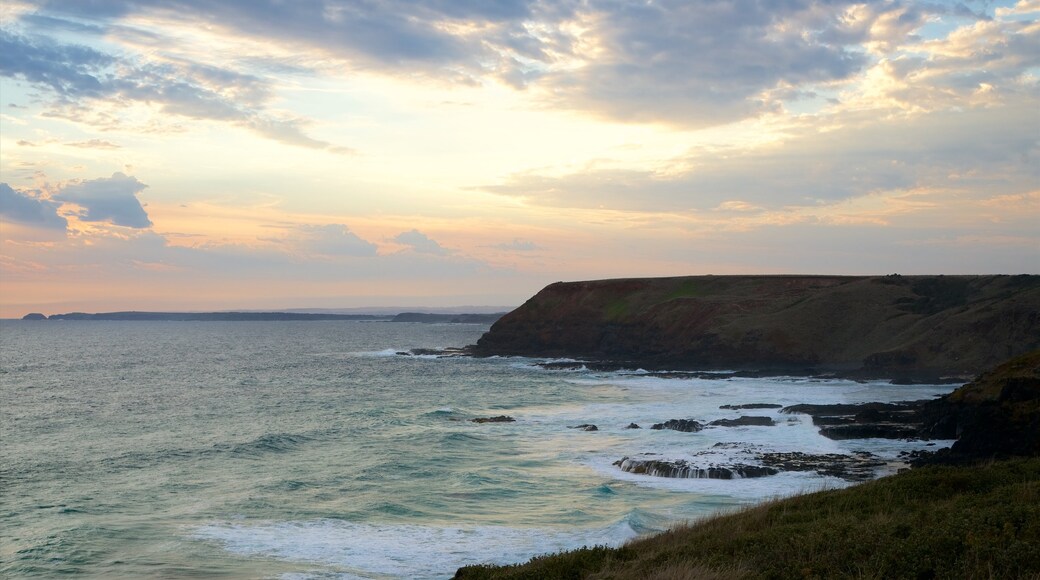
980 521
617 308
687 289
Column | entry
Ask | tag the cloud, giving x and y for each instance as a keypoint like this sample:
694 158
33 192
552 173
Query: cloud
685 62
985 149
112 200
71 71
92 87
691 63
94 144
33 211
700 63
420 243
335 240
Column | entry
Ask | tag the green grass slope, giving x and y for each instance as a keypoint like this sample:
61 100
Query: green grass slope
936 522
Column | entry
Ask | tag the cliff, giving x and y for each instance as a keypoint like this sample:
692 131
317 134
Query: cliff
996 415
887 326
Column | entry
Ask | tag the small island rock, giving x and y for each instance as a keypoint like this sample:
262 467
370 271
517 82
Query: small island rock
498 419
684 425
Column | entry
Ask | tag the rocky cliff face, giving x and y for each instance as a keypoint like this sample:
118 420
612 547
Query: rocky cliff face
996 415
888 326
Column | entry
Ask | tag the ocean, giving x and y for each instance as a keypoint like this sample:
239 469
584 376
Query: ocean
313 450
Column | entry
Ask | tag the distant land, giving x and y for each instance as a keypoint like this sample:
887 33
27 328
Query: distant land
897 327
427 317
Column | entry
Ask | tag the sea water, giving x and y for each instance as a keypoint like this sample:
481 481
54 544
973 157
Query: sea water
314 450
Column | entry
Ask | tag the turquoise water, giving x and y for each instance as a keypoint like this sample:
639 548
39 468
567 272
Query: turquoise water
311 450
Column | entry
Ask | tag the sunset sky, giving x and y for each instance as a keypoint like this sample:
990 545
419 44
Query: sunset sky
266 154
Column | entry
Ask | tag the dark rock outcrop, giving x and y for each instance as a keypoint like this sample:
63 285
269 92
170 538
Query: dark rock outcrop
438 352
905 327
633 426
744 421
996 415
684 425
856 467
752 406
866 420
871 430
684 469
34 316
498 419
585 427
859 466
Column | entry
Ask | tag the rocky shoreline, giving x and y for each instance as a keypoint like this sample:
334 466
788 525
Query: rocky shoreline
997 415
907 421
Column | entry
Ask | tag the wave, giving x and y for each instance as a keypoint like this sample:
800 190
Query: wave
256 448
410 551
271 443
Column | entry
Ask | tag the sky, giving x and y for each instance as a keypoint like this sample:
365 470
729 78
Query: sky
265 154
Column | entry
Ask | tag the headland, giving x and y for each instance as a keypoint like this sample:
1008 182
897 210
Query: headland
891 327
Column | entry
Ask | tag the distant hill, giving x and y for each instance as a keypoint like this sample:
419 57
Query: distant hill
206 316
449 318
268 316
885 326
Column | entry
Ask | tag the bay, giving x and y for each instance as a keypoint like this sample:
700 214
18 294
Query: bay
314 450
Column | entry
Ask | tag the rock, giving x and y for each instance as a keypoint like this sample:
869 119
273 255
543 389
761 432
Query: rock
684 425
563 366
633 426
752 406
585 427
34 316
848 409
437 352
858 467
866 420
996 415
684 469
746 420
498 419
876 430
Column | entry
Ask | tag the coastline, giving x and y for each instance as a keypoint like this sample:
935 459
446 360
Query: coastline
919 519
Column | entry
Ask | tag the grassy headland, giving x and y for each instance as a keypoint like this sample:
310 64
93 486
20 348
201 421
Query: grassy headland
912 327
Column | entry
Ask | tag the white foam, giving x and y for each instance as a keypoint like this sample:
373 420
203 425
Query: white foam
410 551
751 490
